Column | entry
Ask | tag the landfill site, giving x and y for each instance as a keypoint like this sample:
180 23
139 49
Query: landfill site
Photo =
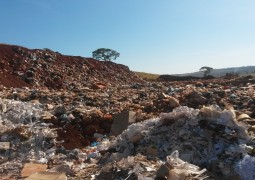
70 117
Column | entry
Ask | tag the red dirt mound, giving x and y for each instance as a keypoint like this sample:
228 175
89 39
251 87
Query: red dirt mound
21 67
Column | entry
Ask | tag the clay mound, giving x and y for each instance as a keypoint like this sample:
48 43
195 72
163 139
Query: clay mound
20 66
9 80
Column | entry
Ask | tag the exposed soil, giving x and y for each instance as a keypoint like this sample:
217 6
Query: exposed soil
22 67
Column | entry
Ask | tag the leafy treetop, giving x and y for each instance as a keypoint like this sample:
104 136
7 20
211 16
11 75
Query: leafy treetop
207 70
105 54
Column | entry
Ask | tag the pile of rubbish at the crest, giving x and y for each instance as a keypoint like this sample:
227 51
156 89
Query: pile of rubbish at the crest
206 143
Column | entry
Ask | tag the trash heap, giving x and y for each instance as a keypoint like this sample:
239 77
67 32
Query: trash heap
29 139
20 66
187 143
23 136
69 117
209 138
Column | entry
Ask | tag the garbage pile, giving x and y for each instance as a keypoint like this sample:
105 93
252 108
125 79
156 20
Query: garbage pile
209 138
66 117
206 143
21 67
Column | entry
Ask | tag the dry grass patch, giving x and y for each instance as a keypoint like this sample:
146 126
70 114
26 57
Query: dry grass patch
147 76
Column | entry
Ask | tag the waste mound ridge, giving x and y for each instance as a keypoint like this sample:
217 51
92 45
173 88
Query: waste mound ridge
23 67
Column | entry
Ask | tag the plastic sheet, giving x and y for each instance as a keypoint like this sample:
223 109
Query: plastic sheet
246 167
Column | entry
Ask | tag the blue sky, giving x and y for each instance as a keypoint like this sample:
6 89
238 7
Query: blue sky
156 36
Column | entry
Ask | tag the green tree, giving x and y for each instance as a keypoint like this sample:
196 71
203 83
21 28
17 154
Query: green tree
105 54
207 70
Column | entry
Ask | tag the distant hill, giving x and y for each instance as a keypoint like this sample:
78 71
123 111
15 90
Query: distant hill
222 72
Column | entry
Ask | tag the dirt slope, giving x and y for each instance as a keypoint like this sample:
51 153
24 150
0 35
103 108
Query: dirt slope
21 67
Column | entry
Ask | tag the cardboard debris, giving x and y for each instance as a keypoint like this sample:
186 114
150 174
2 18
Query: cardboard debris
121 121
47 176
31 168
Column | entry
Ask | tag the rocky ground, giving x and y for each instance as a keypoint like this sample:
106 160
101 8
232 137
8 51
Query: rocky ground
57 113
